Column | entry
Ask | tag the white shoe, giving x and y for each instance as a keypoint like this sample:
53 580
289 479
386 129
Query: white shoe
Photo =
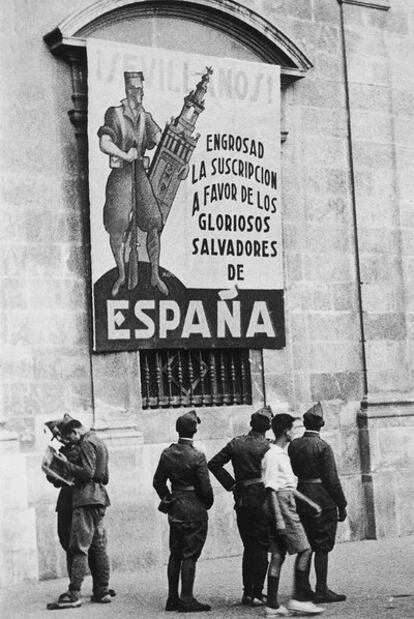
281 611
305 608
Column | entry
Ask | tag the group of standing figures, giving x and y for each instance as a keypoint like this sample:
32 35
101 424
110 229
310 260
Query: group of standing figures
288 499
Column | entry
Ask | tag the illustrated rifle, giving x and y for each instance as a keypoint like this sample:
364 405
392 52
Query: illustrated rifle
133 242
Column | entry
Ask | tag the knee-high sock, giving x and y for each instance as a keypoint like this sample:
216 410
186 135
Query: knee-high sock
173 573
321 570
246 573
273 580
301 581
259 571
188 568
272 591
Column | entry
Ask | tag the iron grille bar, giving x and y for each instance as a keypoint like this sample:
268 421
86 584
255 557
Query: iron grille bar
185 378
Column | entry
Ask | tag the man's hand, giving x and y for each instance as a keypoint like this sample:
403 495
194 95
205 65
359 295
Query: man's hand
131 155
60 456
342 514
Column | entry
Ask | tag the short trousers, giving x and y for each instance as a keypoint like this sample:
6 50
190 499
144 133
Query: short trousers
187 539
321 531
119 201
295 540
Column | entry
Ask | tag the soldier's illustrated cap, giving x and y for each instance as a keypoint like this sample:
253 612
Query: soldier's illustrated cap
263 413
134 78
315 411
187 423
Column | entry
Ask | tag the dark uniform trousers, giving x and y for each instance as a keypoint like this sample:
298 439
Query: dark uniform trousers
87 541
64 504
252 526
191 495
246 453
87 545
187 539
314 465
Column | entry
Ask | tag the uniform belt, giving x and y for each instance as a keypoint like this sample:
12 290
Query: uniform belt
250 482
185 488
311 480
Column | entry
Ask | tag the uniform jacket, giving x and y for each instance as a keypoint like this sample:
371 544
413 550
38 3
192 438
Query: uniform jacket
245 452
184 466
91 472
127 132
313 458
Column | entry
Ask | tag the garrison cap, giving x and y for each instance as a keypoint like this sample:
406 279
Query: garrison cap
263 413
57 426
53 426
187 423
315 411
134 78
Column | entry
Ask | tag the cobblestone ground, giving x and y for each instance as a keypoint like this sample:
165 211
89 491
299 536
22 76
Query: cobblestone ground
377 576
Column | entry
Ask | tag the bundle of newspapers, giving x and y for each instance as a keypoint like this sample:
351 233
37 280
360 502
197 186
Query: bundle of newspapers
52 464
54 467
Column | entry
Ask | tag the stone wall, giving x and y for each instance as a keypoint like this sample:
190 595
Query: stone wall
18 556
388 442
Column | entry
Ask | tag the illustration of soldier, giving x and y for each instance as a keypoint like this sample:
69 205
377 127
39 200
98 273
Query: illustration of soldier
133 197
127 133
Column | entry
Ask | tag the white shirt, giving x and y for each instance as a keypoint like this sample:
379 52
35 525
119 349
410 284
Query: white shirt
276 469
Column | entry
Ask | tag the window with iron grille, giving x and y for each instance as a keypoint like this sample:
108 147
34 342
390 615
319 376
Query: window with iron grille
195 377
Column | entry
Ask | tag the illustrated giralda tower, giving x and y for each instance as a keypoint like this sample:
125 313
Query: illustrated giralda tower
170 162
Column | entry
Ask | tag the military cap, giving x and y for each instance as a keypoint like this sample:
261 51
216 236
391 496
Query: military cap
64 422
264 412
134 78
53 426
57 426
187 423
315 411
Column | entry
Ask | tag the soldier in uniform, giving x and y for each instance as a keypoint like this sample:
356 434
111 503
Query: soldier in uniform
314 465
87 539
186 503
245 452
64 500
128 131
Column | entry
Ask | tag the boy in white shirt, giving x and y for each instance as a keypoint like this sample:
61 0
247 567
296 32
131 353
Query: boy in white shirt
286 533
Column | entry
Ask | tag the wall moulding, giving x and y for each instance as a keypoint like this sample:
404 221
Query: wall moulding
383 405
381 5
68 39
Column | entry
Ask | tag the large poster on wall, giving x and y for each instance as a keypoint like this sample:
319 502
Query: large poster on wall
184 181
